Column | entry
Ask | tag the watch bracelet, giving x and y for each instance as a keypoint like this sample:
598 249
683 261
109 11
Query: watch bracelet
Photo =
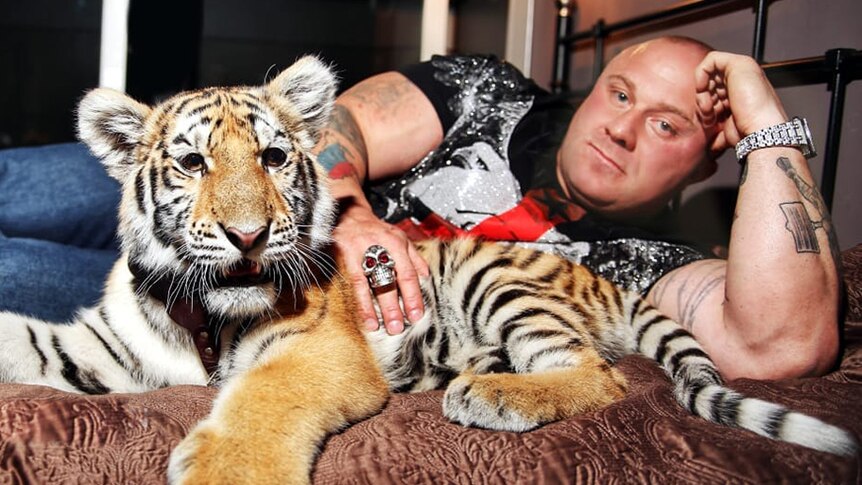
788 133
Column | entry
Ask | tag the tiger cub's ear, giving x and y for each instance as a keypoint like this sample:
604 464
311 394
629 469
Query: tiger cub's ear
112 124
308 88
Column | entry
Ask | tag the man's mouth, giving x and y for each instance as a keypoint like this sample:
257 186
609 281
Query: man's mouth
608 160
244 273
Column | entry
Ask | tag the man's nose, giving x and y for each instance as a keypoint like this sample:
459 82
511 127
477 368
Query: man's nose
622 130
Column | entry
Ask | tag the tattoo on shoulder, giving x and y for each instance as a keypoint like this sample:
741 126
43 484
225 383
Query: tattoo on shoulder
381 93
800 223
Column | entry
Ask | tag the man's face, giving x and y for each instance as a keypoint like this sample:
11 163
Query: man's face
636 140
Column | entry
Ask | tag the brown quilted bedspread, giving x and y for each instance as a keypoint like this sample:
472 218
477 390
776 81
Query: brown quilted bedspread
48 436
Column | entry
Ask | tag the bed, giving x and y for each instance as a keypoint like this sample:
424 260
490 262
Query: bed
49 436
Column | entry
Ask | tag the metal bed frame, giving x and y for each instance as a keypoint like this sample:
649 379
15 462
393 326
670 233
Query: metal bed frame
836 68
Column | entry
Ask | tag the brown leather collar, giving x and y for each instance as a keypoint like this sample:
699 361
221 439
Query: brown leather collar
186 312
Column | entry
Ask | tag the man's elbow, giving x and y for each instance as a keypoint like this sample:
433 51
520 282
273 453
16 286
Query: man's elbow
799 354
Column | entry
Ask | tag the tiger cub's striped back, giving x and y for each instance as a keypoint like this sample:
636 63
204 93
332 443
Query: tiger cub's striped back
523 338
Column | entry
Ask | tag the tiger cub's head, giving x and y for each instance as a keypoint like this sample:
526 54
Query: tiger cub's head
221 192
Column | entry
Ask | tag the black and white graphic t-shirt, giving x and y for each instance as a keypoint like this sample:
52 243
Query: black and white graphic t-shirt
493 176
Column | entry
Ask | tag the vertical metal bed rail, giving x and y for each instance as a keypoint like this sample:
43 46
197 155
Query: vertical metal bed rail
562 57
759 31
836 59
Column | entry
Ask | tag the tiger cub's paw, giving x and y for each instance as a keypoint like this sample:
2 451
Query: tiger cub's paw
217 453
483 401
189 457
198 458
521 402
214 455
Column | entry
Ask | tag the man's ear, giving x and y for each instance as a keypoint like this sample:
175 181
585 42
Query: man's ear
716 145
306 90
112 125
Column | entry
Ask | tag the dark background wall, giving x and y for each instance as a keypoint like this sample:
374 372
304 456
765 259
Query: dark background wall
49 53
49 50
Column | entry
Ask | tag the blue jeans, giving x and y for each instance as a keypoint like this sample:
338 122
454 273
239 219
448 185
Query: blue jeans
57 229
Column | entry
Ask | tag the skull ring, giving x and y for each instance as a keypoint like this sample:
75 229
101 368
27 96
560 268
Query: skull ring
378 266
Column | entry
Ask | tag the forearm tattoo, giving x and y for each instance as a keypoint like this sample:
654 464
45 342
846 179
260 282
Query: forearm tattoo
692 288
335 156
799 222
343 123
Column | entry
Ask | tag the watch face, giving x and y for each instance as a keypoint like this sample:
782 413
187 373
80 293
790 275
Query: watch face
808 145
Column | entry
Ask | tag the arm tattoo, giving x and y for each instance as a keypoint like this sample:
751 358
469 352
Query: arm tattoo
334 159
342 122
660 287
799 222
691 290
694 290
332 155
382 94
335 156
801 226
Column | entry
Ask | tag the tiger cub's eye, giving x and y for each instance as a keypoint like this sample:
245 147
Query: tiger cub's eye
274 157
193 162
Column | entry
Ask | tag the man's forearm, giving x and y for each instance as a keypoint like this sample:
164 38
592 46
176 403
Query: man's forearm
342 152
782 271
341 149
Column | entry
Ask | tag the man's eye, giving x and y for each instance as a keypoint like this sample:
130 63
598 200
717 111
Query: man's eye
193 162
666 127
621 97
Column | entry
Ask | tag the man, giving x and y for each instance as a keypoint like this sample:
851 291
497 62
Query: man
659 115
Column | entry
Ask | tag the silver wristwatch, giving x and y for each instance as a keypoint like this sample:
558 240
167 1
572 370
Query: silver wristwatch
794 133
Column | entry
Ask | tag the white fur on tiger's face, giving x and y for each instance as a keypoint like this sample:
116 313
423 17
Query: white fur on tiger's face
221 192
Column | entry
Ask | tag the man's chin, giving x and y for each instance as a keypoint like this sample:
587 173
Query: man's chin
241 301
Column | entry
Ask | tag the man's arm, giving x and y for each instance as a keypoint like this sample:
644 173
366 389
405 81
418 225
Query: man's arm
380 128
770 310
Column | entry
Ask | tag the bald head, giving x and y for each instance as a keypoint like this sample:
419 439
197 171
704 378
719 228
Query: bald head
638 138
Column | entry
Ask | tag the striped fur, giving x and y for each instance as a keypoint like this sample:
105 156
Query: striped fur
225 223
495 311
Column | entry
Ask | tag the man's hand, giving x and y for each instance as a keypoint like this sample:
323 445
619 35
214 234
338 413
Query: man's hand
357 229
733 91
381 127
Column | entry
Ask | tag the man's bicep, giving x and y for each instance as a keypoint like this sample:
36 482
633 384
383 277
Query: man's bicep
693 295
394 121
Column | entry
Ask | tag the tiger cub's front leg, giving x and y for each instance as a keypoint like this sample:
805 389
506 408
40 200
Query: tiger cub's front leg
268 422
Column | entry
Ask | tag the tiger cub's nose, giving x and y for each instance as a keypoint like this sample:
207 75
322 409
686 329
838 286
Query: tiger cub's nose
247 241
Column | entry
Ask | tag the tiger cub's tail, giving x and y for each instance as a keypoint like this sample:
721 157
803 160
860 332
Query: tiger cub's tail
699 388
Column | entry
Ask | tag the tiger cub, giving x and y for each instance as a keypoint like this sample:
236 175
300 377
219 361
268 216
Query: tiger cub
227 275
